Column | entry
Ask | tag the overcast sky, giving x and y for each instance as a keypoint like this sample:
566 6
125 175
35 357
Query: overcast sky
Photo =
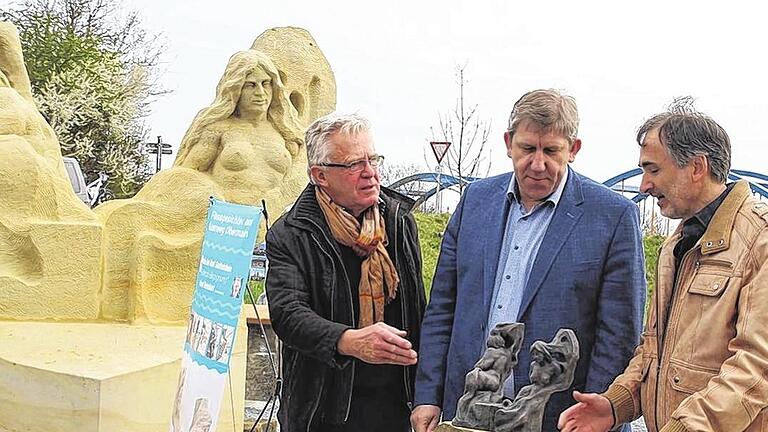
395 62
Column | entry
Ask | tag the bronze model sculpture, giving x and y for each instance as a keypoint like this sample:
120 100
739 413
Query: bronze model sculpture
483 406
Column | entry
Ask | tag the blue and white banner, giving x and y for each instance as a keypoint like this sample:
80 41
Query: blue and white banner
225 262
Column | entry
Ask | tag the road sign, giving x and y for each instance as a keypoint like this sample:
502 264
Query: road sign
440 148
153 146
163 148
164 151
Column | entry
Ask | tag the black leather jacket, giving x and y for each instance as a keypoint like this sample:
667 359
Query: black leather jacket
310 305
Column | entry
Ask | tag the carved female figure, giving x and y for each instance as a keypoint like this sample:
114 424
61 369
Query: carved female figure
249 139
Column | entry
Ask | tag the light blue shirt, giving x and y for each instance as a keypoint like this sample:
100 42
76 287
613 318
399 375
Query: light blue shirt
522 238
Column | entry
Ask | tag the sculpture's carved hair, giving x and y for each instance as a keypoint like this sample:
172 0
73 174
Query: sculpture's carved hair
4 80
281 112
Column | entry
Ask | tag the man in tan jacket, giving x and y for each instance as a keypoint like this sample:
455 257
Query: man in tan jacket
702 364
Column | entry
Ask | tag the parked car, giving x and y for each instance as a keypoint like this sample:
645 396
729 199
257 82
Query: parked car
77 179
93 193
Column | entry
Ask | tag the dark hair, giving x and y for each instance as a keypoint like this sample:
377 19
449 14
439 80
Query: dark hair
687 133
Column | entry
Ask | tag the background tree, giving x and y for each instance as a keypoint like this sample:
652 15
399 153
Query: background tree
391 172
468 134
94 72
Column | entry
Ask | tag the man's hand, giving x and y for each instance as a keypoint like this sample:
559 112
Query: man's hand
592 413
424 418
377 344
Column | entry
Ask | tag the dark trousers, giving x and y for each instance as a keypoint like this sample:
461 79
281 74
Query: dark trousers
373 410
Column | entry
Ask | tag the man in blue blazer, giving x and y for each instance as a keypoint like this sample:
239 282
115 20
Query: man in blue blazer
544 246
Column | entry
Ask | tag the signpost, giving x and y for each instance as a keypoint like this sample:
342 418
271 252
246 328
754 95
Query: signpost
159 148
439 148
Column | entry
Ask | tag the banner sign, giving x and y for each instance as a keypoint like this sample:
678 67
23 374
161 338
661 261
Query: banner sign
225 262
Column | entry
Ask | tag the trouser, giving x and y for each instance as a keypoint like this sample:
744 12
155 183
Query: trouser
374 410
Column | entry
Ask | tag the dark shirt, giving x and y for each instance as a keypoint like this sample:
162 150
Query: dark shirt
378 395
368 375
694 227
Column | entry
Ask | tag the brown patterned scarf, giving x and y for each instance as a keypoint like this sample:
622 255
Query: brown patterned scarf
378 276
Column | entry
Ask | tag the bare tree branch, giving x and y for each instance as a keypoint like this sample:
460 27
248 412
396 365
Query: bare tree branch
468 136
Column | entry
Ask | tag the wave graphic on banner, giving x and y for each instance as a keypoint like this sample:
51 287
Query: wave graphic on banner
223 248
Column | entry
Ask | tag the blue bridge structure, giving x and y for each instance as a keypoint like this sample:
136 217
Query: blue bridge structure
423 186
758 182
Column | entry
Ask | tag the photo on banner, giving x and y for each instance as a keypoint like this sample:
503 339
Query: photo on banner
225 261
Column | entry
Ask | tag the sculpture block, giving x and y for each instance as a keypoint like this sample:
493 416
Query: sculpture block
50 242
304 70
449 427
92 377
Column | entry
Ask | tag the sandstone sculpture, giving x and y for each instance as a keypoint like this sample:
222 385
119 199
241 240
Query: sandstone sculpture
247 146
73 280
135 260
40 216
249 140
306 74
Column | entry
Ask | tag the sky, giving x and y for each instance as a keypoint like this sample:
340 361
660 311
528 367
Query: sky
395 62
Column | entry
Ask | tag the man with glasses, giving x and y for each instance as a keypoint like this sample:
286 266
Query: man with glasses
345 291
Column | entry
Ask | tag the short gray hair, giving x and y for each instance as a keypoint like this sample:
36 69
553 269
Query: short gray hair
550 110
319 132
687 133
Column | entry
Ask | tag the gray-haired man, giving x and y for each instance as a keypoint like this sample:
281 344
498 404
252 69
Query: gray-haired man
345 290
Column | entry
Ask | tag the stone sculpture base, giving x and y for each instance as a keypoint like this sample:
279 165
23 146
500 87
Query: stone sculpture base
86 377
448 427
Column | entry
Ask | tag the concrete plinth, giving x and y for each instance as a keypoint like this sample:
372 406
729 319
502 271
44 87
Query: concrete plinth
81 377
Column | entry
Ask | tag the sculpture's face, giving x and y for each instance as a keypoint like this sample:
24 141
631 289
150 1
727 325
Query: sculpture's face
511 334
554 362
495 341
256 94
355 191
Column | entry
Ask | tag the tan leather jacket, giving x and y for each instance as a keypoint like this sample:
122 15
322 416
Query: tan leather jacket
707 368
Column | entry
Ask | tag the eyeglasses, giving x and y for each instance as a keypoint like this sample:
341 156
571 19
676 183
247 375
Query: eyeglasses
358 165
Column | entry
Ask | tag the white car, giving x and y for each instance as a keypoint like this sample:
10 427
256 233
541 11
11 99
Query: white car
93 193
77 179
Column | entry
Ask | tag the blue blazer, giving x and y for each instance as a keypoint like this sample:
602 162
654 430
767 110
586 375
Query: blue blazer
588 276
